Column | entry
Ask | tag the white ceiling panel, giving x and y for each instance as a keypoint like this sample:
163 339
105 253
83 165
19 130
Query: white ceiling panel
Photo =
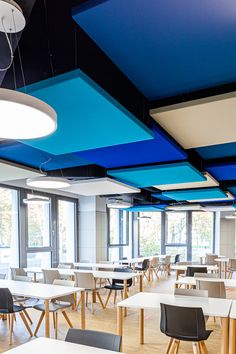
230 197
101 186
203 122
210 182
10 172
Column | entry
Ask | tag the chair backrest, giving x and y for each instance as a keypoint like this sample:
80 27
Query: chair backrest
6 301
215 288
122 270
205 275
85 280
191 292
192 270
167 259
210 258
177 258
68 298
49 275
2 276
184 263
17 272
95 339
145 264
232 263
182 322
154 262
66 265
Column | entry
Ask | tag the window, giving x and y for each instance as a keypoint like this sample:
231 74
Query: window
66 224
202 233
38 224
149 233
176 228
9 246
39 259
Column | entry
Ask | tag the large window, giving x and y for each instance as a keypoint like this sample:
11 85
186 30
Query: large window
202 233
149 233
176 234
9 250
66 223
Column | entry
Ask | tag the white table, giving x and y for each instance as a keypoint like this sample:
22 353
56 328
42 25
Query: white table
223 262
96 266
44 292
232 328
49 346
191 281
182 268
210 306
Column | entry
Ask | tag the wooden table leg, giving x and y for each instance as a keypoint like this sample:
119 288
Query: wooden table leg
47 319
82 302
232 336
177 272
125 296
141 326
225 334
141 282
35 277
120 324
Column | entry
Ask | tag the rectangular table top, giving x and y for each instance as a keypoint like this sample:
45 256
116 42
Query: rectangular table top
184 267
229 283
49 346
210 306
97 265
38 290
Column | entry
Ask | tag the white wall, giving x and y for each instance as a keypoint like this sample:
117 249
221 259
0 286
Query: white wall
226 242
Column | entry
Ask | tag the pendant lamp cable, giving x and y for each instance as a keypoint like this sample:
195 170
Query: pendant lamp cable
10 47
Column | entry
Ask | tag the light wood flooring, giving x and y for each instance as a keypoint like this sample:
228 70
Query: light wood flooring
105 320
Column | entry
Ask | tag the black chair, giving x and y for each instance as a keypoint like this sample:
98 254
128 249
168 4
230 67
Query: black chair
177 258
95 339
144 267
186 324
8 308
118 285
192 270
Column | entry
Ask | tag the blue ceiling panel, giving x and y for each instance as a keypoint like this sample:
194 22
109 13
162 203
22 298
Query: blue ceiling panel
165 47
224 171
232 190
88 117
29 156
217 151
145 176
159 149
150 207
195 194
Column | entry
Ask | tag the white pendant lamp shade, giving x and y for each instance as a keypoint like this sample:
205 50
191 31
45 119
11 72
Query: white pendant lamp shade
36 200
25 117
48 182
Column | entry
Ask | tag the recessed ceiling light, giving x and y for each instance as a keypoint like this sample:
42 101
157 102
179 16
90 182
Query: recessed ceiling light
25 117
36 200
48 182
118 204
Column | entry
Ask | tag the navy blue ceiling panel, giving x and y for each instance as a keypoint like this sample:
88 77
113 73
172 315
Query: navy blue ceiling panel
224 171
160 149
217 151
165 47
26 155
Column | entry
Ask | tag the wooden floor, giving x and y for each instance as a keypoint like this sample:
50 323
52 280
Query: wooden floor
105 320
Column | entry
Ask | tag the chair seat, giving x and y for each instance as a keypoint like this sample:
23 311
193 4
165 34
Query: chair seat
53 307
16 308
140 269
205 336
114 287
26 301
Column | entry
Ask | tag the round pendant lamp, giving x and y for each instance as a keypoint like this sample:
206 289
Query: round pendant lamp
48 182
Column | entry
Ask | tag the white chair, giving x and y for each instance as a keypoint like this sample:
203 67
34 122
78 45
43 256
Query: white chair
49 275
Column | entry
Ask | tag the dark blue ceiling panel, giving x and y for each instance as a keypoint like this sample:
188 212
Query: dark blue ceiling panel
160 149
224 171
26 155
165 47
217 151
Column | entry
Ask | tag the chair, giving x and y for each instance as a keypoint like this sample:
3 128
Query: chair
205 275
49 275
118 285
192 270
186 324
191 292
66 265
177 258
87 281
210 258
2 276
182 272
165 265
7 307
144 267
215 288
231 267
154 266
19 274
58 304
95 339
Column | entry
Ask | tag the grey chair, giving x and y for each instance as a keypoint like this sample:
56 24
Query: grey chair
19 274
191 292
231 267
49 275
206 275
56 305
210 258
95 339
215 289
66 265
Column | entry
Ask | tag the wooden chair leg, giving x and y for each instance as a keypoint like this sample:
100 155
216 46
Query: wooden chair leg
204 348
115 295
54 324
55 315
86 301
121 293
100 300
39 323
174 347
27 316
11 327
26 323
67 318
108 297
196 348
169 345
78 303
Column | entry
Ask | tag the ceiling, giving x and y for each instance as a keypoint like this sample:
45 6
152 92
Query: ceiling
145 97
